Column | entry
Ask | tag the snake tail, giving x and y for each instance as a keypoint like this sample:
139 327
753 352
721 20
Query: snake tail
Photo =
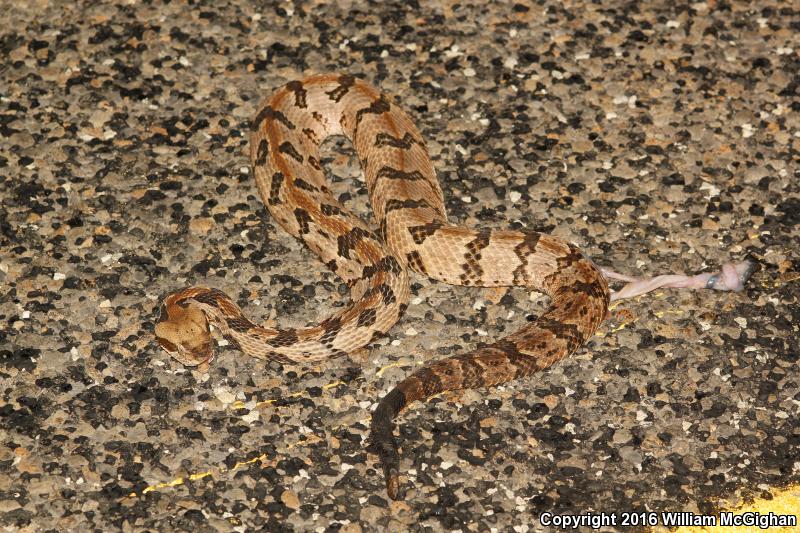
580 300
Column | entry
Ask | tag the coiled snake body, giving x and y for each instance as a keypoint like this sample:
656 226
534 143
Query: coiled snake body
413 232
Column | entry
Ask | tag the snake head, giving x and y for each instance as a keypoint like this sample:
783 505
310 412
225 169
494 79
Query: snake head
183 331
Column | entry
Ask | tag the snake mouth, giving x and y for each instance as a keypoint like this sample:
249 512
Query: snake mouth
200 354
170 348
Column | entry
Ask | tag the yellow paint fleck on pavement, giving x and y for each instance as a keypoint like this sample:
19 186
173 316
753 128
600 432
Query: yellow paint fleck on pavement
221 471
784 502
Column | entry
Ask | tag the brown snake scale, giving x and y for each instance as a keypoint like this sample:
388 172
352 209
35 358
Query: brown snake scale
413 232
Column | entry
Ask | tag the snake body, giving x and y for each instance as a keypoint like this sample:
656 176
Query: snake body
413 232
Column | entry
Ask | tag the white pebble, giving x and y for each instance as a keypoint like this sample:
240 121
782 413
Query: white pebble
469 72
224 395
514 196
58 276
452 52
251 417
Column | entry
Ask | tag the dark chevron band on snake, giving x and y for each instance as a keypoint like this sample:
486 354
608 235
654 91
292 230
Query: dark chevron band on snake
407 203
